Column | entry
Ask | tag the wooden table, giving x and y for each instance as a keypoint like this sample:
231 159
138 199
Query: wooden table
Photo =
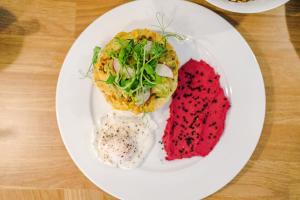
35 36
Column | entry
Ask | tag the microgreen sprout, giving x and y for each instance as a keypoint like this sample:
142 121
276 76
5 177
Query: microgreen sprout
134 63
88 73
163 25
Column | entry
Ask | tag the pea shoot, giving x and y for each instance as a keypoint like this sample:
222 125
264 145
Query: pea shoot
135 62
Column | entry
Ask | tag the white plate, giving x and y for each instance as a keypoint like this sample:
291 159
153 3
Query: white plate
253 6
79 104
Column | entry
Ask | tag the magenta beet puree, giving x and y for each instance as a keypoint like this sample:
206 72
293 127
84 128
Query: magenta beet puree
197 112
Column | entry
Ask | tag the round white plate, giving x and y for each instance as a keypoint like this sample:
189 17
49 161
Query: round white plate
79 104
253 6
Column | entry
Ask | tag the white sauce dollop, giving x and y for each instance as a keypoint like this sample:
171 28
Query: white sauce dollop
124 140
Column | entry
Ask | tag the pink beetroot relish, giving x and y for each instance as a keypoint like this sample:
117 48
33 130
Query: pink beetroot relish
197 112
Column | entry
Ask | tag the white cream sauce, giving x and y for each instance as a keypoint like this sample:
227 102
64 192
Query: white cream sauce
123 140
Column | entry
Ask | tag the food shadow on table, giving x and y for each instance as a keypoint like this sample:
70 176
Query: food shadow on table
292 13
234 18
4 132
12 33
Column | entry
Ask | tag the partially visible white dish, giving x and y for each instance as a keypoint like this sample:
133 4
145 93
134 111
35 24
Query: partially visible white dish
79 104
252 6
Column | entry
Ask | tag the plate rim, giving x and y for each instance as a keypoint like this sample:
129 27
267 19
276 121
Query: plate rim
245 11
133 2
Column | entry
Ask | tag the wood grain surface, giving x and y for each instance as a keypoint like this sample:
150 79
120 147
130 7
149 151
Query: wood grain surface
35 36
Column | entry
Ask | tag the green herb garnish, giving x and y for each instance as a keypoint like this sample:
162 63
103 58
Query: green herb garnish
110 79
135 62
96 53
136 66
162 26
